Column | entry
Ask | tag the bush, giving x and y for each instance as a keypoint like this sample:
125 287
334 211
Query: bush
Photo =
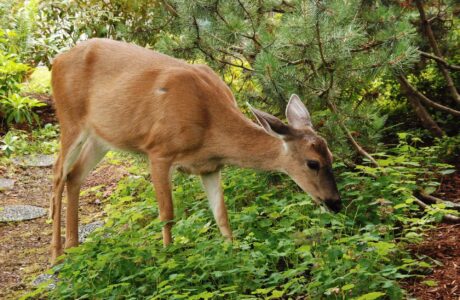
17 142
19 109
284 245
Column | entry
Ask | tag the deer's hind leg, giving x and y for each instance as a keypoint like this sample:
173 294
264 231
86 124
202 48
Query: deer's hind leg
92 152
71 146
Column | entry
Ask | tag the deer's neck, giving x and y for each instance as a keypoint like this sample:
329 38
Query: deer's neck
248 145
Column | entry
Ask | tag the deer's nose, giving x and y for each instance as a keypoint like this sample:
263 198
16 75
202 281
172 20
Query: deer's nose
334 204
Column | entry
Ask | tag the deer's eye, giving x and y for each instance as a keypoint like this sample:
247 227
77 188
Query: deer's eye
313 164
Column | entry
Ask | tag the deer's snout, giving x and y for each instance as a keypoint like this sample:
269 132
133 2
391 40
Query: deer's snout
334 204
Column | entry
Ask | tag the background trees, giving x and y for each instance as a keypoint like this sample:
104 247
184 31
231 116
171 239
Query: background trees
338 56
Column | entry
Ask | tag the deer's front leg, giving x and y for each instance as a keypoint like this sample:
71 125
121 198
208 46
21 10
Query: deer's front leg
160 172
213 188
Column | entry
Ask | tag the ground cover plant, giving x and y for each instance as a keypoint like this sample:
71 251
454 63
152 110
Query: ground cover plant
284 245
381 81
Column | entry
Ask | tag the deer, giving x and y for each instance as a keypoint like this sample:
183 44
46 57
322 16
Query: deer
115 95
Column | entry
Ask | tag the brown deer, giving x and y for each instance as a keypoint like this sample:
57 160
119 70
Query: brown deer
111 94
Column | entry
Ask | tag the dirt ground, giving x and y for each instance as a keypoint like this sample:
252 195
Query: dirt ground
443 245
24 246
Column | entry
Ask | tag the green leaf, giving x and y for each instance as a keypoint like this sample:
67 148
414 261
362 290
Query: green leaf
348 287
370 296
430 283
448 171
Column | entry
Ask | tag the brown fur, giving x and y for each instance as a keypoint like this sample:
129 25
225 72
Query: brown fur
111 94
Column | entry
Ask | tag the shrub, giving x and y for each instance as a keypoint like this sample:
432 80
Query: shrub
284 247
19 109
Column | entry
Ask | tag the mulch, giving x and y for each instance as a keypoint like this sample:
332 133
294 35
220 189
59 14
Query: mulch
443 245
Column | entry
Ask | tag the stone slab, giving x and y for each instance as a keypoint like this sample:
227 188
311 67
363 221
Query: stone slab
85 230
39 160
44 278
12 213
6 184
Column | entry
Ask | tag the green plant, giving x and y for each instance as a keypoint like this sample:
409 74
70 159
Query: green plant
12 73
284 245
42 140
38 82
20 109
9 142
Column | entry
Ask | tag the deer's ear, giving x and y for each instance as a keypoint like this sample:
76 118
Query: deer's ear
297 114
271 124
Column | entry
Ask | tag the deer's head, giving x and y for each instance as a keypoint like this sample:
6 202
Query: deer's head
306 157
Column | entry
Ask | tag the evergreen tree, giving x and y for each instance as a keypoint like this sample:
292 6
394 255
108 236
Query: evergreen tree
328 52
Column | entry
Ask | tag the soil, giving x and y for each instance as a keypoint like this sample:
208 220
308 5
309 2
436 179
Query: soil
24 246
443 245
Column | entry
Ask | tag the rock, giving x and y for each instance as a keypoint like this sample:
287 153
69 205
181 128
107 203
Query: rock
39 160
85 230
6 184
44 278
11 213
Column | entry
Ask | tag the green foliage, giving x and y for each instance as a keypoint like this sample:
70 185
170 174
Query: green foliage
13 46
38 82
63 23
449 148
284 245
12 73
17 21
13 106
19 109
42 140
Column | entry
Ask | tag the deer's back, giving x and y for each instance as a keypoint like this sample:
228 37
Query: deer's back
136 98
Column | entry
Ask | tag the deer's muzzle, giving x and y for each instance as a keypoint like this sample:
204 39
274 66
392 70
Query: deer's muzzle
334 204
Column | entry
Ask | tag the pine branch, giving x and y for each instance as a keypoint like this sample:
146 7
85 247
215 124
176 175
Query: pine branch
326 93
413 91
350 137
440 60
170 8
254 38
210 55
434 45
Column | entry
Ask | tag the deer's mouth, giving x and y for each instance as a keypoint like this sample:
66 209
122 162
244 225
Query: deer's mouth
331 204
334 205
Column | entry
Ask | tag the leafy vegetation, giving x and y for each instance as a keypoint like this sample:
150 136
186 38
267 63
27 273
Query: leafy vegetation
353 62
14 107
284 245
19 142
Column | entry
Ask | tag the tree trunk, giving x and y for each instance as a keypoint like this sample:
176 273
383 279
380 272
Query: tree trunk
420 111
426 27
425 99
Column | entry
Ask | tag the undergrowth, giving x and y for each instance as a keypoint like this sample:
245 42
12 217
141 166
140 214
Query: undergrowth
284 246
